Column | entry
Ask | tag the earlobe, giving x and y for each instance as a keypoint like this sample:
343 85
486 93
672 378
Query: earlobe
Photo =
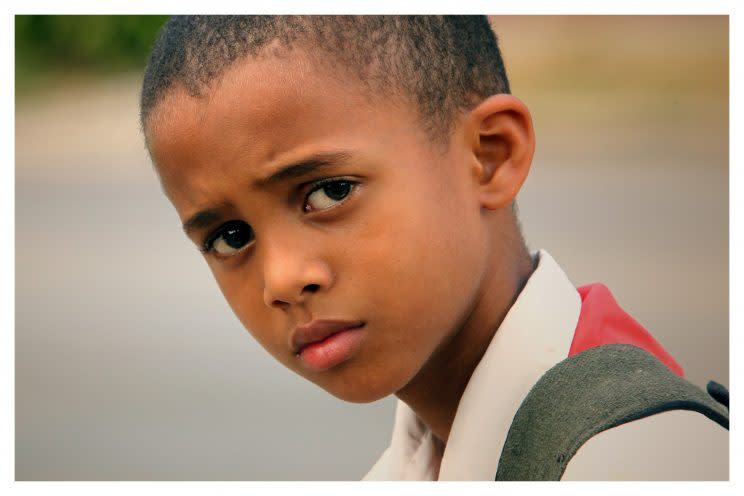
503 143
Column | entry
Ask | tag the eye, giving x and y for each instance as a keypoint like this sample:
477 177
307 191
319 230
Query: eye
326 194
229 238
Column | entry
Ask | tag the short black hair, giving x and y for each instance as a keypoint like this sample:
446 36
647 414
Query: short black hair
441 64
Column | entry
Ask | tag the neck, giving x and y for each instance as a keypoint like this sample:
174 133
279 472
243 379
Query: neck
435 392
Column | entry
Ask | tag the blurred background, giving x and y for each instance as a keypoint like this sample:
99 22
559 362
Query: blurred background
129 364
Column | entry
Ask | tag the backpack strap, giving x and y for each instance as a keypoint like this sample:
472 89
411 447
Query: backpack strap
590 392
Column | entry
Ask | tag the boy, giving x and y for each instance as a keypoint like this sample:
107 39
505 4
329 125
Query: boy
351 183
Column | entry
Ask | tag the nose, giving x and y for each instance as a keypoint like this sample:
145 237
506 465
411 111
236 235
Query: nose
291 275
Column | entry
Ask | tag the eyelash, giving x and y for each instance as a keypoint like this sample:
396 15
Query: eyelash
208 244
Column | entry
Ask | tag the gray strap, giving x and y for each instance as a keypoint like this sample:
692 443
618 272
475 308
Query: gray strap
588 393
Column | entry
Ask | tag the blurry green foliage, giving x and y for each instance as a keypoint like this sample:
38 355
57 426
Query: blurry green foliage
82 44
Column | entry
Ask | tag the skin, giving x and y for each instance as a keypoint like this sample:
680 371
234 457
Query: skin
424 249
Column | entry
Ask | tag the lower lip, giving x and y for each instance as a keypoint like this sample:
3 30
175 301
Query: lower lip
333 350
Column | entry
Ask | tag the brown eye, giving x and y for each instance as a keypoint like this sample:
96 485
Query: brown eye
328 194
229 238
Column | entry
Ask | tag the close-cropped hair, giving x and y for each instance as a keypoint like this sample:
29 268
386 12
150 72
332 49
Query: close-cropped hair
440 64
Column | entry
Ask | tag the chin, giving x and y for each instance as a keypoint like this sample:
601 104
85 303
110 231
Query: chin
364 389
360 396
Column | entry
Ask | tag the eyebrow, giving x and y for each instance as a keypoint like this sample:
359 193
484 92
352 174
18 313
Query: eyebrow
209 216
202 219
304 167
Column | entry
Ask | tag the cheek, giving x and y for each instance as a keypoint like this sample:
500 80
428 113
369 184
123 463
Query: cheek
422 266
245 297
414 279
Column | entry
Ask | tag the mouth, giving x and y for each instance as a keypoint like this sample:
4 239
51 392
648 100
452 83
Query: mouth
323 344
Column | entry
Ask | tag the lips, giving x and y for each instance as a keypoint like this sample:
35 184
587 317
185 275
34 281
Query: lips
318 330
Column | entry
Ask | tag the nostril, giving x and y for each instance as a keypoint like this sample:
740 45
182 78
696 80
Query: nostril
312 288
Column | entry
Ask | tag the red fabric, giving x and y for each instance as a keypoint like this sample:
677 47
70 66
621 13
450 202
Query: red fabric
602 321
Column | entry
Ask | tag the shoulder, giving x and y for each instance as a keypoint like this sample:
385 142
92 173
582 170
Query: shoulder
673 445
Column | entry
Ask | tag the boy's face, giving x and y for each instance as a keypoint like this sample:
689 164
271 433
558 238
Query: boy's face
396 243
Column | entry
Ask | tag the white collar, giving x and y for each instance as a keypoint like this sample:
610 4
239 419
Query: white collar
535 335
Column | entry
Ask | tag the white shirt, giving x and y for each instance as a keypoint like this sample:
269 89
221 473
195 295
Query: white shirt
535 335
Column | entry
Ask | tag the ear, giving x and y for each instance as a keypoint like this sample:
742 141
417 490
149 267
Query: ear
501 139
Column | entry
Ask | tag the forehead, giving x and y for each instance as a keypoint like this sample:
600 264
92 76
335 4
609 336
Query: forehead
254 98
264 110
